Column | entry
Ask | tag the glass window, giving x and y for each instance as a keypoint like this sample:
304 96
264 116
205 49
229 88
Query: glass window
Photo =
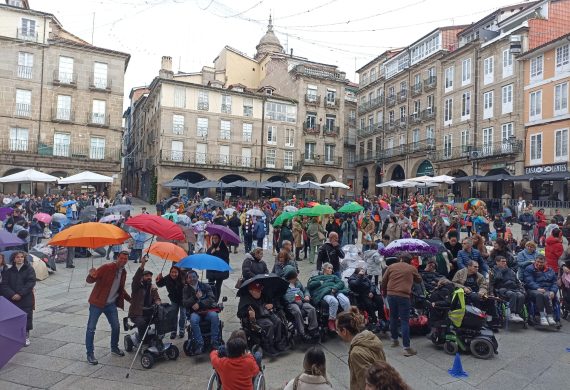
290 137
63 107
507 99
562 58
488 141
65 70
271 135
201 153
310 150
25 65
536 65
97 148
98 114
179 97
226 104
225 129
248 107
465 140
281 112
465 105
331 96
561 99
535 112
61 143
561 145
288 159
507 63
536 148
488 104
28 30
447 145
330 122
270 158
176 150
312 93
507 131
19 139
448 111
23 102
100 75
224 157
329 153
246 157
466 71
177 124
247 132
449 79
488 70
203 100
202 127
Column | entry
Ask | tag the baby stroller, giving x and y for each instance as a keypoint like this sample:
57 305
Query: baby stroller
162 319
463 328
189 346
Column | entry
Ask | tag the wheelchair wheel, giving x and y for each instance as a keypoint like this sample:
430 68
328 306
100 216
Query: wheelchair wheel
259 382
173 352
147 360
450 348
481 348
214 382
129 345
187 348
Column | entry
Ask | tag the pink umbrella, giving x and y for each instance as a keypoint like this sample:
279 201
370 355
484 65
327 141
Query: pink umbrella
43 217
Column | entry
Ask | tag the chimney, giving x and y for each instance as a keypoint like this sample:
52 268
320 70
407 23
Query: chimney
166 68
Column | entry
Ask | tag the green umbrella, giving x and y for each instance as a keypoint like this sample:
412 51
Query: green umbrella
351 208
287 215
316 211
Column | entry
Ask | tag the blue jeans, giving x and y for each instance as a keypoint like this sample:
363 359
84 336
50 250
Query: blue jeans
181 318
214 320
400 308
95 312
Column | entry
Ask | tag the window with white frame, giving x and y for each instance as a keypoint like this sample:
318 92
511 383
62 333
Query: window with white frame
507 63
362 123
536 149
272 135
99 110
448 112
329 153
465 105
390 144
177 124
488 141
449 79
562 59
465 140
23 102
28 29
281 112
311 93
226 104
430 135
201 153
415 137
417 107
561 99
202 127
391 116
290 138
561 145
65 70
288 159
246 157
488 98
203 100
373 74
310 150
248 107
330 122
507 99
63 111
535 111
225 129
447 145
19 139
371 97
97 148
488 70
179 97
536 68
25 65
430 100
507 136
100 75
466 71
380 117
224 157
402 113
270 158
402 139
247 132
61 143
331 96
364 79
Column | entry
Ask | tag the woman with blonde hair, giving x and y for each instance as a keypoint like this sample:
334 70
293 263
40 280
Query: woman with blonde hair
314 375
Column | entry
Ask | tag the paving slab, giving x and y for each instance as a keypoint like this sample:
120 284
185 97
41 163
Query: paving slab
33 377
41 361
5 385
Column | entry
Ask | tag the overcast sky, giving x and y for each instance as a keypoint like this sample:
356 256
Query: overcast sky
347 33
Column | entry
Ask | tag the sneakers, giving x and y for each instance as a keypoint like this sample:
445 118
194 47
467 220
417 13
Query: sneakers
543 321
117 352
550 320
91 359
395 343
409 352
332 325
516 318
181 334
27 343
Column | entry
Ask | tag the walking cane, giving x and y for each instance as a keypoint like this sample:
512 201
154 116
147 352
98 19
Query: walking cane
140 344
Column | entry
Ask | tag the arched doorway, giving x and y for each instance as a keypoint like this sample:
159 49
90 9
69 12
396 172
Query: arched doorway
236 191
309 176
327 178
497 189
460 190
18 188
398 173
378 176
424 169
365 180
192 177
278 178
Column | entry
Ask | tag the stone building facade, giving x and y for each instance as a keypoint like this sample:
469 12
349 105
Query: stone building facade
61 99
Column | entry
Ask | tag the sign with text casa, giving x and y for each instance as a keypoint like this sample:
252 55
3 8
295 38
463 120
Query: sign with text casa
542 169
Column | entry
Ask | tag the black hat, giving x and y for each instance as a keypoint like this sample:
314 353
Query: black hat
147 272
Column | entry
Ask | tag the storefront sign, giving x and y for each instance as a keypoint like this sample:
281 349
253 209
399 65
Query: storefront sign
425 169
541 169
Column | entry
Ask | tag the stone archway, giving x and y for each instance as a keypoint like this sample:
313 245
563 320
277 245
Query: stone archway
192 177
278 178
425 168
309 176
327 178
398 173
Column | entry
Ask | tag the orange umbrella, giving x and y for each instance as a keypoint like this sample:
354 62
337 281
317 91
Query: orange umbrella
167 251
90 235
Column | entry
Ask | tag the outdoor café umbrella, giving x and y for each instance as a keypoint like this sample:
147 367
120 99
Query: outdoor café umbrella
8 239
225 233
287 215
308 185
42 217
28 176
157 226
86 177
12 330
273 285
203 261
335 184
351 208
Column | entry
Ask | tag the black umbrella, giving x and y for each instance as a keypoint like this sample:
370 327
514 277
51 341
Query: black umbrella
89 210
170 201
273 285
436 244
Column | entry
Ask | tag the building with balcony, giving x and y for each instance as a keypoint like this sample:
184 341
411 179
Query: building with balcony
546 116
61 100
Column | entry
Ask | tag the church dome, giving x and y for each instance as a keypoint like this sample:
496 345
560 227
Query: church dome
269 43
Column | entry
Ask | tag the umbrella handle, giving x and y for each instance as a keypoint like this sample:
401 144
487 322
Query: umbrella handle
148 249
163 264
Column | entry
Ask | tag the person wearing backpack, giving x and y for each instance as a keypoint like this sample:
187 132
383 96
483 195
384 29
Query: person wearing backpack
259 232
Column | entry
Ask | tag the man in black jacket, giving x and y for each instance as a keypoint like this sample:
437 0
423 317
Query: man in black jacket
367 297
503 283
174 285
234 224
331 252
430 276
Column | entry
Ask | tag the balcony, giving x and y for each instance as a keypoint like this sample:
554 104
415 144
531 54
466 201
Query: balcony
63 115
391 125
226 109
189 158
312 100
318 160
99 84
331 131
391 101
351 122
27 34
179 129
62 78
415 117
428 114
332 103
363 107
503 149
403 122
25 72
402 95
454 153
98 119
396 151
309 128
421 146
23 110
350 140
204 106
417 89
430 83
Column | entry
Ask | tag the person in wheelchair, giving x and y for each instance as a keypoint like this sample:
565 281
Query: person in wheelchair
540 283
430 276
297 304
476 288
367 298
503 283
238 368
200 303
256 312
143 296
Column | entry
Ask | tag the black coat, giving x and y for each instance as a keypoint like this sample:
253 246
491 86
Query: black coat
430 279
208 300
330 254
361 285
234 223
174 288
251 267
224 254
20 282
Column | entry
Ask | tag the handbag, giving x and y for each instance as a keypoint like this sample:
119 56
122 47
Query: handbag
239 282
321 236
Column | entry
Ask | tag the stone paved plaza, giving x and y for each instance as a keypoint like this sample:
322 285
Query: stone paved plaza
527 359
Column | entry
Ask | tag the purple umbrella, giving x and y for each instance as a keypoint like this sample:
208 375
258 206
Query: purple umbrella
4 212
224 232
8 239
12 330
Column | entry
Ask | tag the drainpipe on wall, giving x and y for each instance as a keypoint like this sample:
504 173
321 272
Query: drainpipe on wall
263 100
476 115
42 84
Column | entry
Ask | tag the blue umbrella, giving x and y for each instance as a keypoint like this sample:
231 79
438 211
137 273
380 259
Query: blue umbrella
8 239
12 330
68 203
203 261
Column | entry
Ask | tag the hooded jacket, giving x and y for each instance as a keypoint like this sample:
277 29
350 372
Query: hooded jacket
138 293
365 349
373 262
321 285
251 267
554 249
208 300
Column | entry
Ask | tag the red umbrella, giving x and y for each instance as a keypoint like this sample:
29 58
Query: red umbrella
157 226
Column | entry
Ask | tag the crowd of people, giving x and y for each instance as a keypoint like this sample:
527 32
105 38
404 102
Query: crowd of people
480 254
